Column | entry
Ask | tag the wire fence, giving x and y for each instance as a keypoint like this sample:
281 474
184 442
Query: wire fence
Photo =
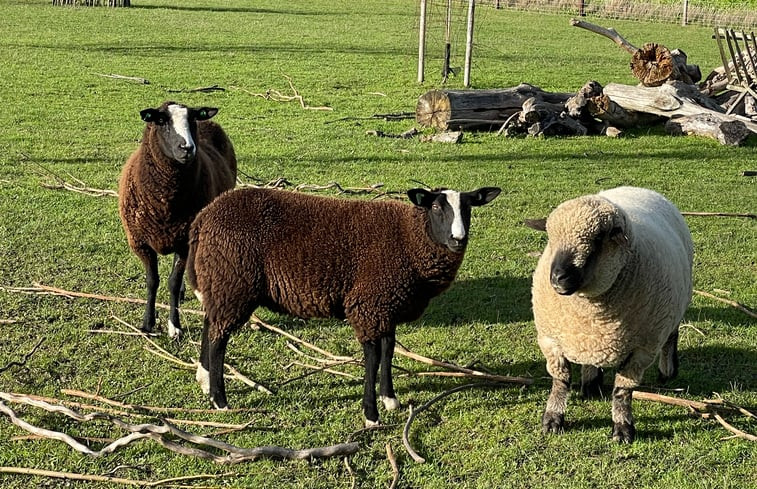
681 12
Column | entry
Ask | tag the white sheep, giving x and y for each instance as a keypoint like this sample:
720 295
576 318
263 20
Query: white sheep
183 162
610 290
374 263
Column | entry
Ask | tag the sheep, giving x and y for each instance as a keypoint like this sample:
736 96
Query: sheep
373 263
183 162
610 290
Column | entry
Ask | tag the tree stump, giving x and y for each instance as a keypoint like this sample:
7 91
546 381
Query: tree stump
730 133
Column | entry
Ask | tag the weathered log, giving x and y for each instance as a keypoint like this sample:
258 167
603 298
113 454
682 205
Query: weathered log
604 109
577 104
477 109
561 125
669 100
730 133
535 110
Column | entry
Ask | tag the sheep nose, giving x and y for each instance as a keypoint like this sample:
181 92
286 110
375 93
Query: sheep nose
188 148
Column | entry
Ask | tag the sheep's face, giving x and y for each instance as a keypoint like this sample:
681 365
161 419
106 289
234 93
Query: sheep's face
449 213
176 127
588 238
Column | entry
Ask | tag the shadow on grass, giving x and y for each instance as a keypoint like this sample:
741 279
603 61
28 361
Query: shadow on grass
243 10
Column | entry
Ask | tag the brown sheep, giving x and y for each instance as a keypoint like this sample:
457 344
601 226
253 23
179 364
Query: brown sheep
184 161
374 263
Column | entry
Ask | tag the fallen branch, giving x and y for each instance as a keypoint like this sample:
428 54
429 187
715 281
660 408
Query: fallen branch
136 79
106 478
401 350
212 88
24 359
610 33
277 96
731 303
160 433
720 214
414 412
393 463
79 187
281 332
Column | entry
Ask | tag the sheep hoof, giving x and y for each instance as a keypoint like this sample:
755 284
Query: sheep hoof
623 432
217 407
552 422
173 331
372 424
390 403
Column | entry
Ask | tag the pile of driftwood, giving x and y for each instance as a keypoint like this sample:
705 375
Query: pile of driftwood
669 92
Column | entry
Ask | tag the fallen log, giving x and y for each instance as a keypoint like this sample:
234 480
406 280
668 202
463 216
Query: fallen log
670 100
478 109
729 133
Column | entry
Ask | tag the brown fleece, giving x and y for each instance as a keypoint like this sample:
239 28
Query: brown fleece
372 263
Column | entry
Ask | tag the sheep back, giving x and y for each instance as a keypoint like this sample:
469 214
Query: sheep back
369 262
647 299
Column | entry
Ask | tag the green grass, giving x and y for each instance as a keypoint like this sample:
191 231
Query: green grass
57 113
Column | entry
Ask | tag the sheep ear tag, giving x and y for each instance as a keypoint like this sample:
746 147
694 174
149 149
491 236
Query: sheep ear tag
421 197
149 115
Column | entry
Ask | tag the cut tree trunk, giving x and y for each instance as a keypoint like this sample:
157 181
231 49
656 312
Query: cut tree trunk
478 109
730 133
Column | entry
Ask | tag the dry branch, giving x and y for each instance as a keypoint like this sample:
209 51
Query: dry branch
106 478
393 463
24 359
211 88
277 96
720 214
610 33
414 412
135 79
401 350
160 434
731 303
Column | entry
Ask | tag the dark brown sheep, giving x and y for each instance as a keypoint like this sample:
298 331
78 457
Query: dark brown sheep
184 161
376 264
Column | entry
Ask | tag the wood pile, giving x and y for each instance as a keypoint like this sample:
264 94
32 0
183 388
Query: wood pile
668 92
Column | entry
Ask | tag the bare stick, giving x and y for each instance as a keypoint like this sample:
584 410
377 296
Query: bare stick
24 359
734 430
414 412
393 463
329 370
610 33
135 79
315 371
401 350
720 214
8 321
238 375
673 401
323 352
105 478
731 303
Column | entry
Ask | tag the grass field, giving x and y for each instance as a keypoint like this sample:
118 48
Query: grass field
358 58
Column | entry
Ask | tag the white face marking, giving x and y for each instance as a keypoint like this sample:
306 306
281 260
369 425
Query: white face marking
453 198
203 378
180 122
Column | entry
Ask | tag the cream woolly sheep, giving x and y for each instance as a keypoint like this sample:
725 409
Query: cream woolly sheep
375 263
183 162
610 290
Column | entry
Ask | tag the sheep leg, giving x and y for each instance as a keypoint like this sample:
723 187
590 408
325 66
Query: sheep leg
175 287
203 370
183 288
371 352
628 377
668 365
553 420
216 352
386 386
150 260
591 381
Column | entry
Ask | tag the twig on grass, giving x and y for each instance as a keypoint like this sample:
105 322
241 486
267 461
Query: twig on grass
24 359
720 214
414 412
731 303
8 321
160 434
135 79
255 319
211 88
114 480
393 463
80 187
277 96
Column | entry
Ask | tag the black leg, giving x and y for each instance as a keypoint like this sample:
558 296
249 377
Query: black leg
175 284
183 287
591 382
150 260
623 429
371 352
386 386
216 355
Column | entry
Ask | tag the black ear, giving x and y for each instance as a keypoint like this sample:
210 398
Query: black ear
422 197
538 224
484 195
151 115
204 113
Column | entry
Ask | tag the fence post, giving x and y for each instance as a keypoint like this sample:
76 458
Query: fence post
685 19
422 43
